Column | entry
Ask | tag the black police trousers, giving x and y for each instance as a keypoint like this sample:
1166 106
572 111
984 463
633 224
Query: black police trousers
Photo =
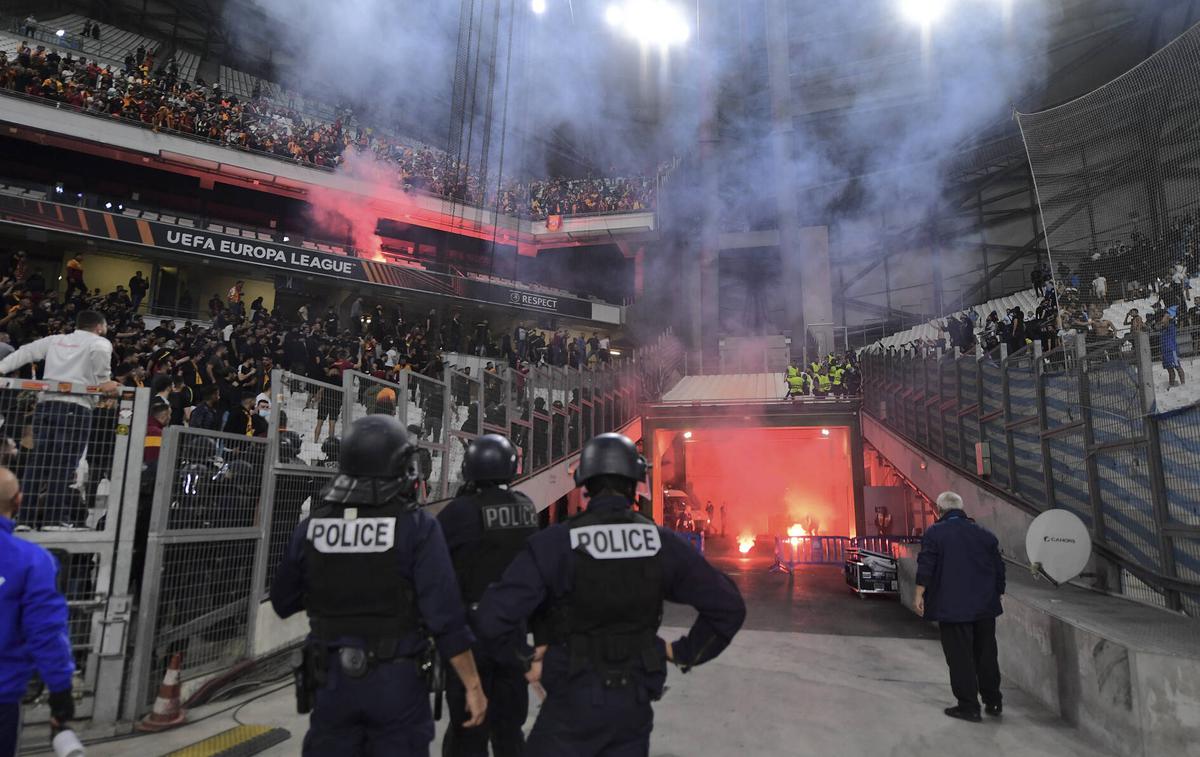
972 657
508 705
385 713
583 718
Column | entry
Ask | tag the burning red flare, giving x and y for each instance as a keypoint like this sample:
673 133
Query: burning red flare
797 530
745 543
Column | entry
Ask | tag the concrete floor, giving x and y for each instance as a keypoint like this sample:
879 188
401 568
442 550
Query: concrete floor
815 672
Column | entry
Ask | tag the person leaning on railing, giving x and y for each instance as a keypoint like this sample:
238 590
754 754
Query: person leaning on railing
62 423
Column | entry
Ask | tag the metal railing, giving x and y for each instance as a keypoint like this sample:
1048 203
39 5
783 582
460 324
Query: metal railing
791 551
224 506
1073 428
79 457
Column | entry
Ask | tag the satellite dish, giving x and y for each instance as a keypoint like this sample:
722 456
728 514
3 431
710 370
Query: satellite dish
1058 545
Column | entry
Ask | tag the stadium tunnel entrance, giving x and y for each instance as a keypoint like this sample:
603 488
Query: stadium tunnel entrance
769 468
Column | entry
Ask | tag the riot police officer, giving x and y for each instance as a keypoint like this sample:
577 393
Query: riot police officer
486 525
598 582
373 572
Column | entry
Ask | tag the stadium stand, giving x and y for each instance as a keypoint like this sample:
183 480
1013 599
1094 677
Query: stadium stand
165 96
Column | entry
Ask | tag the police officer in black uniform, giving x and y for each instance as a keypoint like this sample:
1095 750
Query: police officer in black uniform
596 586
486 525
373 572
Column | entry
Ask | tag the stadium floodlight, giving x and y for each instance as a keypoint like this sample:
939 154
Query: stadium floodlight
60 33
650 22
538 6
923 12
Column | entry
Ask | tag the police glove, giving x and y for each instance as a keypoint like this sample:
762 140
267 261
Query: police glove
62 707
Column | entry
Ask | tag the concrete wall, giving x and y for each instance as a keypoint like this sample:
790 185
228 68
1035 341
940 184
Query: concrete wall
1000 516
1126 675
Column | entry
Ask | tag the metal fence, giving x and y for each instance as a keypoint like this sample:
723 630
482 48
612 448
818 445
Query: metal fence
78 456
1073 427
224 506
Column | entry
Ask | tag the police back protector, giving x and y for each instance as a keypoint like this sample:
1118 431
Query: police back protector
615 606
507 520
353 585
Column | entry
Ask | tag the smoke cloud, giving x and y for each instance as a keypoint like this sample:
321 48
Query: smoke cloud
880 109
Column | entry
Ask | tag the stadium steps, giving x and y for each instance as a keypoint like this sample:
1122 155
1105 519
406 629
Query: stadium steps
114 44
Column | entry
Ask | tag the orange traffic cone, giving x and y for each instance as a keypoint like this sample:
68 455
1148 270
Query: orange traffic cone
167 712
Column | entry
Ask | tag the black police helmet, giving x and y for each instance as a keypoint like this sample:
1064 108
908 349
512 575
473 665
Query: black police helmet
376 463
370 448
491 457
610 455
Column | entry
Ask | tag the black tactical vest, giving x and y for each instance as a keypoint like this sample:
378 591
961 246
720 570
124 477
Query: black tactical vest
611 617
353 585
507 519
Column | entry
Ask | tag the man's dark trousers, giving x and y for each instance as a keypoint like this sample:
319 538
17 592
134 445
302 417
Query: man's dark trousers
60 437
382 714
508 705
973 660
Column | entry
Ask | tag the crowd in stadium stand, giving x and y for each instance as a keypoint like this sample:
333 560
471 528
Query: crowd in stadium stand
218 368
151 93
1156 272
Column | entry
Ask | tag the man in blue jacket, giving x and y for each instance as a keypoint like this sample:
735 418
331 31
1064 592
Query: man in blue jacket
33 624
960 577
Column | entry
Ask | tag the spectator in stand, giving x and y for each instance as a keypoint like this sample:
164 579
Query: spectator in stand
1134 321
75 277
1100 288
1170 347
241 416
139 285
205 414
237 293
180 398
160 418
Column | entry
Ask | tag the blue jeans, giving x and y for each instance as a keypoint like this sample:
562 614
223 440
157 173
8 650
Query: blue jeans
60 437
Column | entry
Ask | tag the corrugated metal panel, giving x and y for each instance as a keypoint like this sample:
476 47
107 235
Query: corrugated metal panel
739 387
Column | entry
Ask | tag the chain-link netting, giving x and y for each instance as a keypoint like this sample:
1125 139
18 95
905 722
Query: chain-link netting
295 491
201 607
1120 206
1070 429
313 413
372 396
217 481
61 446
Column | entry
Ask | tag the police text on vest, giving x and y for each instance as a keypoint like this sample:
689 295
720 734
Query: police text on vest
618 541
362 535
509 516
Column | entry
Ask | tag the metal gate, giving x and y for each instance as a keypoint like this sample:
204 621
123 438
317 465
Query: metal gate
84 511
